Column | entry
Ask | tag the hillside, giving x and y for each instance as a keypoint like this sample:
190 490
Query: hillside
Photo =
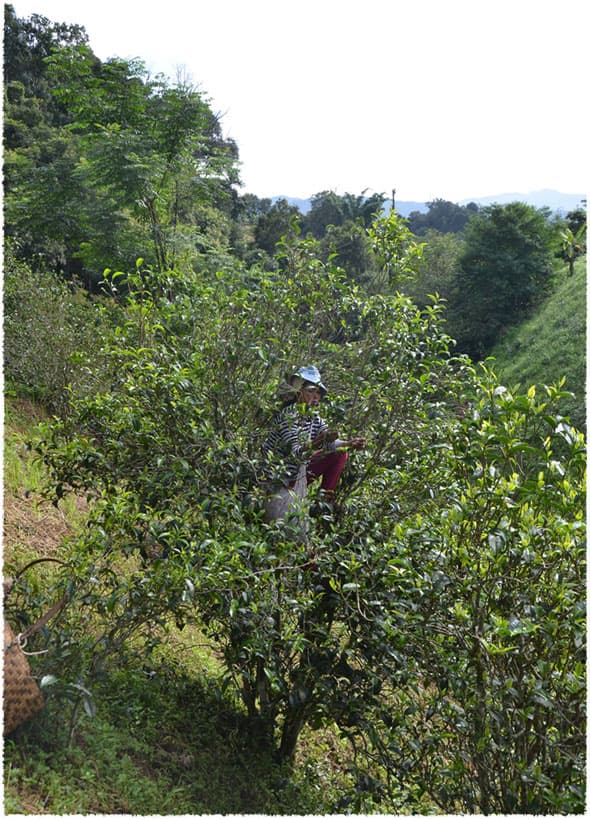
551 344
407 637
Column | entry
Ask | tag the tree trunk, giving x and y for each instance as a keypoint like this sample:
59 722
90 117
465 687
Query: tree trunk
294 722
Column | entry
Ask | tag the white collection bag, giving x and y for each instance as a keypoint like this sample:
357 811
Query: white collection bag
290 504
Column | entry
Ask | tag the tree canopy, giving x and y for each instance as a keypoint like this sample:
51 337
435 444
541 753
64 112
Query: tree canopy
442 216
133 166
506 267
329 209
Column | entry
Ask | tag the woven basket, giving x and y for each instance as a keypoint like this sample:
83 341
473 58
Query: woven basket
22 696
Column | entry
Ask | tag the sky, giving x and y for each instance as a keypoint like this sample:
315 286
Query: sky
451 99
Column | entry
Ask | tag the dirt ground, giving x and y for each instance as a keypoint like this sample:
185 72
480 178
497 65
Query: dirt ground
31 526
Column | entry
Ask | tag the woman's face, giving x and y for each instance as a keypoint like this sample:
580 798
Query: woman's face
310 395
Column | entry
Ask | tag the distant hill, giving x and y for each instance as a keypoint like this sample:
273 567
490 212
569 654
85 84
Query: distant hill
404 208
303 205
554 200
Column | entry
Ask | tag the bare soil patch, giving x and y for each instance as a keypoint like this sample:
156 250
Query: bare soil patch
32 526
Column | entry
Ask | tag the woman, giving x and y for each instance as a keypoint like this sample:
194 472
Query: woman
300 447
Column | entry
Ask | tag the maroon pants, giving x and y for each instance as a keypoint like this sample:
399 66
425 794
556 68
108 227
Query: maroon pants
329 468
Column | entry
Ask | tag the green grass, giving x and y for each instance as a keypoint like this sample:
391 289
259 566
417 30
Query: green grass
164 743
551 344
20 470
168 740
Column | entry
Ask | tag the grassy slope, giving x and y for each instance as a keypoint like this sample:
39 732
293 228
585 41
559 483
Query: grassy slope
551 344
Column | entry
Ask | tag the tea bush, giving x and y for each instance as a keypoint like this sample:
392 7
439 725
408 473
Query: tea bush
49 325
434 617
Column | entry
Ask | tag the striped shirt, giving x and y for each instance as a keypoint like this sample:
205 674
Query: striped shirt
289 442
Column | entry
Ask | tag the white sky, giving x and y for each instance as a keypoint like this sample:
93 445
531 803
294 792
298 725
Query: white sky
435 98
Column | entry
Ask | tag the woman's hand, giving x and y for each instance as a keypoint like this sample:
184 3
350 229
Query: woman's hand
322 438
356 443
319 442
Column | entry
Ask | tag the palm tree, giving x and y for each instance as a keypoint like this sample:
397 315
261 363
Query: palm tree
362 207
572 245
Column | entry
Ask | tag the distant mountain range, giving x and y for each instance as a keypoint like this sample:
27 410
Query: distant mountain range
554 200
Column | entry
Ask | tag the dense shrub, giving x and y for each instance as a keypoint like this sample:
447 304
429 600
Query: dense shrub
49 325
490 591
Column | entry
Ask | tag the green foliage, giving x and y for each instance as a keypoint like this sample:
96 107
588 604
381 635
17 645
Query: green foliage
341 223
278 221
163 735
437 271
41 200
505 269
349 245
396 251
48 327
492 591
27 43
577 220
328 209
442 216
170 452
434 616
249 207
447 582
573 245
129 165
40 203
153 149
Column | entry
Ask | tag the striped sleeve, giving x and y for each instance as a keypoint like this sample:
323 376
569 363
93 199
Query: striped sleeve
291 435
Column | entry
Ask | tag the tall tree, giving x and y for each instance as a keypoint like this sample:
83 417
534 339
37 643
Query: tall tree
155 149
443 216
350 246
506 267
572 237
329 209
27 44
41 199
134 167
272 225
326 209
363 209
438 268
341 223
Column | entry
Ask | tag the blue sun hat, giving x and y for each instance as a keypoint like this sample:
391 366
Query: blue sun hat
312 375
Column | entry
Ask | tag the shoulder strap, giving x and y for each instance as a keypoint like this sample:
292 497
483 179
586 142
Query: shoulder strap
24 635
38 560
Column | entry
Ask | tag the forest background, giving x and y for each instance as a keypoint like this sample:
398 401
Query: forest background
436 647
